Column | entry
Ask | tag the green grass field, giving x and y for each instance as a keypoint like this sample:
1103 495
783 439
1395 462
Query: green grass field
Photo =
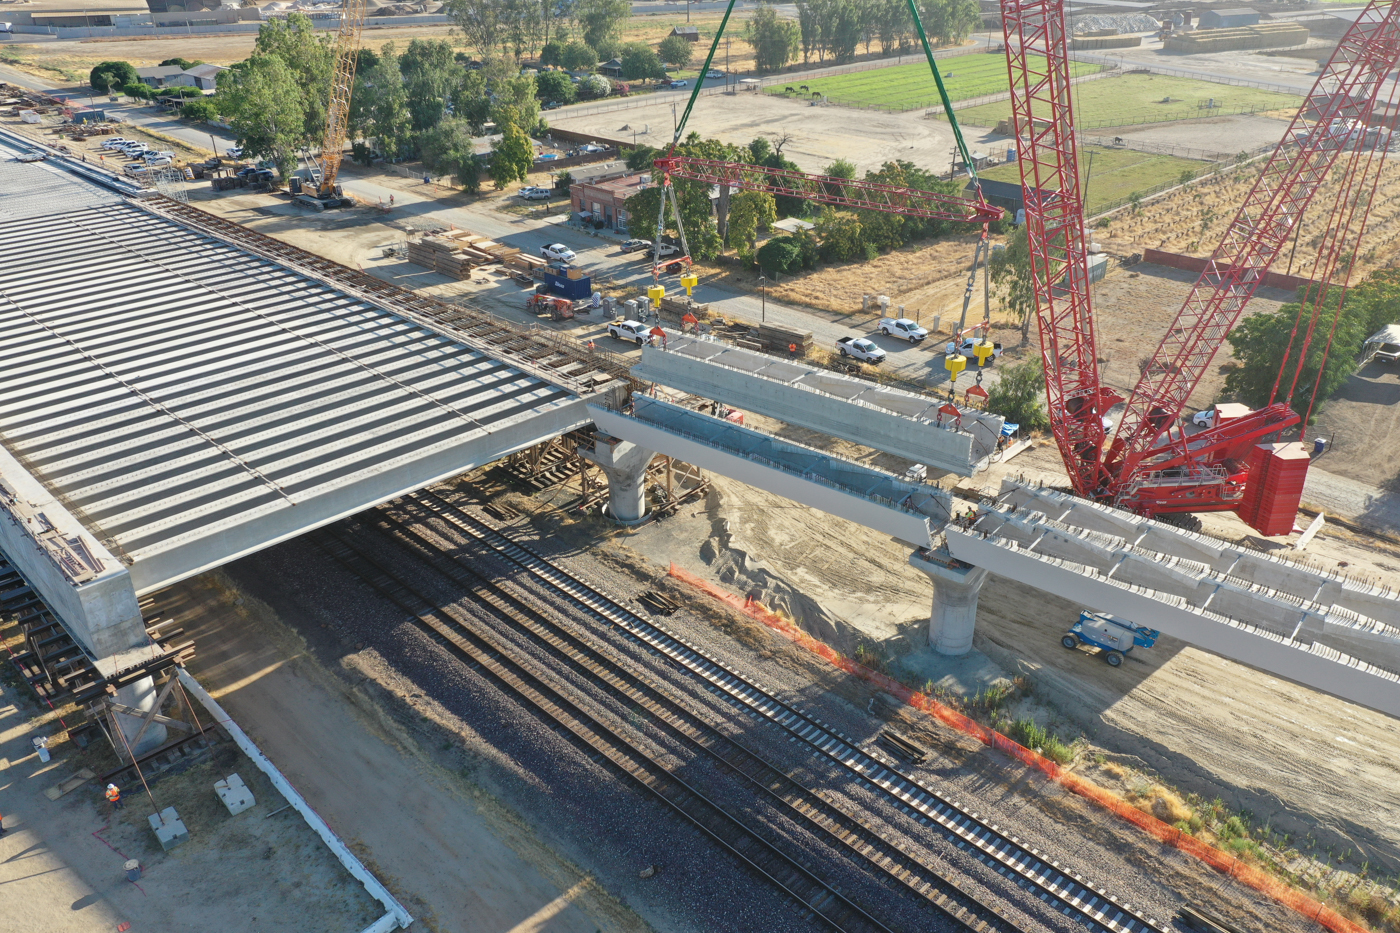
909 87
1117 173
1139 99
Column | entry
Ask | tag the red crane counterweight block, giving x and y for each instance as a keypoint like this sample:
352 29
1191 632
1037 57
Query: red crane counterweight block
1277 473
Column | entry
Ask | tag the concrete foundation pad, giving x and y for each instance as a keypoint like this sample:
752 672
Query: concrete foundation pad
961 676
169 828
234 794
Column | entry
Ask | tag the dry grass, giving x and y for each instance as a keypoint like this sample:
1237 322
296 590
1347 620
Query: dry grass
1193 220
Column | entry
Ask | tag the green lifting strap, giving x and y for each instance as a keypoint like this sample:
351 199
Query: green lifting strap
699 82
943 95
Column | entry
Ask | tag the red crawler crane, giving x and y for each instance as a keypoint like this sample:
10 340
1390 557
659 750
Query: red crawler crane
1152 466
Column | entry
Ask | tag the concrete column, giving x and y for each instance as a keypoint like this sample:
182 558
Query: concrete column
625 465
955 588
140 695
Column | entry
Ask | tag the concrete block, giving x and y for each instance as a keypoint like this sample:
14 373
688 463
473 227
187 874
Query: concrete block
169 828
234 793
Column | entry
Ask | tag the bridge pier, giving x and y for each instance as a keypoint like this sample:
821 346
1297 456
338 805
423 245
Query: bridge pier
956 585
625 465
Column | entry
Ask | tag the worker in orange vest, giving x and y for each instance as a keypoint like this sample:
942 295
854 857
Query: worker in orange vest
114 796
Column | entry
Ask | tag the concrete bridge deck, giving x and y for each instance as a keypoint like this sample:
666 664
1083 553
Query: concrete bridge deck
902 423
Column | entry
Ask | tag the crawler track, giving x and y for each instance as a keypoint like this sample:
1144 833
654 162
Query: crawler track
1042 877
494 658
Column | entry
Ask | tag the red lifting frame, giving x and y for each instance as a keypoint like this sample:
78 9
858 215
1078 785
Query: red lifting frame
824 189
1037 59
1345 91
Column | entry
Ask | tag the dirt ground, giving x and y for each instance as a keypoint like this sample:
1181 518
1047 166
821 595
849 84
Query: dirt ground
1362 422
62 861
455 857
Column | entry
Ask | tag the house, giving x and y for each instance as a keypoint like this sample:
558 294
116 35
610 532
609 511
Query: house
204 77
604 200
611 69
593 174
159 75
1228 19
688 33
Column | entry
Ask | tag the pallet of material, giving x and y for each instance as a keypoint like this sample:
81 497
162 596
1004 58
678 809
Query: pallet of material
1262 36
771 336
525 262
441 256
680 306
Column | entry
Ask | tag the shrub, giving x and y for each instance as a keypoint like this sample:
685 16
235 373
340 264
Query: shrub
1036 737
594 87
552 53
554 87
1016 396
780 254
200 110
138 90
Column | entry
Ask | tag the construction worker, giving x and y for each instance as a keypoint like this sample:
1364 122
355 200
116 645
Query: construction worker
590 346
114 796
2 824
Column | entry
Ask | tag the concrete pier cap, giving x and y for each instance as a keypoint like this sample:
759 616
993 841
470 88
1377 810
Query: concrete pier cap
625 465
956 585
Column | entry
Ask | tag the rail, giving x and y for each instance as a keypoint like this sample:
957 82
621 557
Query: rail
1054 884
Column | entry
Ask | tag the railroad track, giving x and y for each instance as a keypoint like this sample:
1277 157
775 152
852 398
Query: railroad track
845 832
490 656
1057 886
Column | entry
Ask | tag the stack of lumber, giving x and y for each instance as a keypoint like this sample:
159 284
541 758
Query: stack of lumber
678 306
440 255
1262 36
1080 43
777 339
525 262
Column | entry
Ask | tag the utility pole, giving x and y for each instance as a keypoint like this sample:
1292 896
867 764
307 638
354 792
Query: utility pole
952 163
763 290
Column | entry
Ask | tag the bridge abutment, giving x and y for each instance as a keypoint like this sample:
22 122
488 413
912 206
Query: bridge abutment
625 465
956 585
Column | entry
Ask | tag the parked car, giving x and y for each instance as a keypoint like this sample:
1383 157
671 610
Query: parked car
534 193
114 142
150 155
234 152
634 244
559 252
677 85
968 347
157 163
714 73
667 249
861 348
635 331
903 328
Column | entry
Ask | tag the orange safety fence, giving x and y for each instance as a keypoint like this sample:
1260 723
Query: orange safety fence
1223 862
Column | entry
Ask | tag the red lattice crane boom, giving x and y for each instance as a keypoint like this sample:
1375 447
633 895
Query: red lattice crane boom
347 48
825 189
1149 467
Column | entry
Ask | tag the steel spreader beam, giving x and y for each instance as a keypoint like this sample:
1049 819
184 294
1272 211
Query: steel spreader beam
1336 116
824 189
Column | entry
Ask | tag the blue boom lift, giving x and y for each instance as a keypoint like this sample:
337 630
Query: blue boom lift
1113 636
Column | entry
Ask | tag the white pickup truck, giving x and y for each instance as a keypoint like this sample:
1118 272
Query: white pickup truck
902 327
629 330
861 348
968 348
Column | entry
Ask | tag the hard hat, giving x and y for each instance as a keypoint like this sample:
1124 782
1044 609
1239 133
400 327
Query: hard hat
111 787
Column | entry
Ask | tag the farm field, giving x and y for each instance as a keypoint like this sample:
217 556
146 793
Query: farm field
1138 98
1117 173
909 87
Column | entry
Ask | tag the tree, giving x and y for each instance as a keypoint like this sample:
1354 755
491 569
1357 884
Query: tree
749 212
447 149
951 21
844 28
552 55
641 158
1010 270
608 49
365 59
379 106
840 233
514 156
184 64
639 61
514 101
108 75
601 20
693 198
479 21
1016 396
579 56
471 102
788 205
675 51
202 111
780 254
554 87
809 28
774 40
430 73
310 58
260 99
594 87
138 91
841 168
